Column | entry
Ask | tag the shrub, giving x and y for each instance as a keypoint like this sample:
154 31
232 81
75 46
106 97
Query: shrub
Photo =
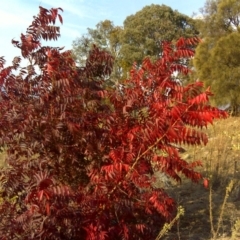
81 157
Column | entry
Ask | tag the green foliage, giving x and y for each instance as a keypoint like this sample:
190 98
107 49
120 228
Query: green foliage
141 36
106 36
217 59
144 32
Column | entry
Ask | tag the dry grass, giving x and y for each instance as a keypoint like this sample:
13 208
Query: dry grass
221 165
221 155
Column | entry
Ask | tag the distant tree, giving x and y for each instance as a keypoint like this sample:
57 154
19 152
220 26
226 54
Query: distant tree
80 158
141 36
217 59
144 32
105 36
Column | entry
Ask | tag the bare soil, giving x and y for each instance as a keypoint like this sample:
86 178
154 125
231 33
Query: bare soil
195 224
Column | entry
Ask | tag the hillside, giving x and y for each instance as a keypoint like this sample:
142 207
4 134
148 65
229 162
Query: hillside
221 164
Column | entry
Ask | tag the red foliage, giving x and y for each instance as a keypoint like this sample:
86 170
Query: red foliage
80 158
205 182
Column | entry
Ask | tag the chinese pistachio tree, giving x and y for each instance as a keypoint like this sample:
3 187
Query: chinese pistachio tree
80 158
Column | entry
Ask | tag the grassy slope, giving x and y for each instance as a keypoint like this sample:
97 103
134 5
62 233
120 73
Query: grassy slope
221 164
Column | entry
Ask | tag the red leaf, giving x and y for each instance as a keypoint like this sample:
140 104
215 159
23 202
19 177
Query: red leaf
48 208
60 18
205 182
45 183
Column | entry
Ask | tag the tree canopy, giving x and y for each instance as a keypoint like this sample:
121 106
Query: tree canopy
144 32
106 36
141 36
217 59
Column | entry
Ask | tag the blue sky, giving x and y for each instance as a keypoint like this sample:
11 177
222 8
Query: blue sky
78 15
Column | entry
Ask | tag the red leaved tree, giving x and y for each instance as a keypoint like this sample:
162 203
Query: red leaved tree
81 158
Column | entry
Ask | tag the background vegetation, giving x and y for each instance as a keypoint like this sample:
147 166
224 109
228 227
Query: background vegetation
217 58
216 61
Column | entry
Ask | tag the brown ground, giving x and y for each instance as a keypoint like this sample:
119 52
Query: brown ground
195 224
